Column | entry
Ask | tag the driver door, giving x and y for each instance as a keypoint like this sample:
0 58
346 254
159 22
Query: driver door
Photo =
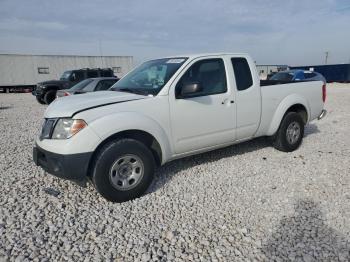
205 119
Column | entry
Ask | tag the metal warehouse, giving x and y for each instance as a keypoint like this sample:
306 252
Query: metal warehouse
27 70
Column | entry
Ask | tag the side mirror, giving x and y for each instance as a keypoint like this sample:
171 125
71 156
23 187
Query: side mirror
191 89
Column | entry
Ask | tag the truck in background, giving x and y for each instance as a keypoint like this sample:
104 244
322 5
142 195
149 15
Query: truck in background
20 72
45 92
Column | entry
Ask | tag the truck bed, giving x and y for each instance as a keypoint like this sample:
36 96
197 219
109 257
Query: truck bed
275 93
276 82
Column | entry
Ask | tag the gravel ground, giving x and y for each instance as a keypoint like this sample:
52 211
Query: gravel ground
246 202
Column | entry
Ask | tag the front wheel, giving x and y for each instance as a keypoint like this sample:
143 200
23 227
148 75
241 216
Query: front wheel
290 133
123 170
50 96
40 100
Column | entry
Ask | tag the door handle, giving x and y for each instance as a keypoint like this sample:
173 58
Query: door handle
224 102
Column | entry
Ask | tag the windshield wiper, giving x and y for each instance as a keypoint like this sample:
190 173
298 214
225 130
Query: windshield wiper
133 91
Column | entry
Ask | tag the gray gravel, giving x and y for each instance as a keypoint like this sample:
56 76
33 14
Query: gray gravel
246 202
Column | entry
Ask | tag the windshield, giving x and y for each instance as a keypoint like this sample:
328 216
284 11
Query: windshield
283 76
150 77
81 85
65 75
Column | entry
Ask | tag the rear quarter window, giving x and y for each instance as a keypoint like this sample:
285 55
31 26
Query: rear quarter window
242 73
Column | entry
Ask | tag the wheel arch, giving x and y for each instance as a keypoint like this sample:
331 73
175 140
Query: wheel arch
142 136
300 109
293 103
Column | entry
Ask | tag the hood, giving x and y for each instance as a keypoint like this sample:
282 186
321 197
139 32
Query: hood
55 82
70 105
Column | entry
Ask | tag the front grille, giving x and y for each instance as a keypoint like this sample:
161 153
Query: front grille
47 128
39 89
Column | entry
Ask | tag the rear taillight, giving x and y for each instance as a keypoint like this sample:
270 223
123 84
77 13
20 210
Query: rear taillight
66 94
324 93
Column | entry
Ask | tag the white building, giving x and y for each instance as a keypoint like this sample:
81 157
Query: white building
28 70
265 70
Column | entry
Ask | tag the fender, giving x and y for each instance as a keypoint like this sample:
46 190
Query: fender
114 123
282 108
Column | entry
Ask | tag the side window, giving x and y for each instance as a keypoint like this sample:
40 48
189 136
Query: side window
90 87
79 75
109 83
210 73
43 70
104 85
242 72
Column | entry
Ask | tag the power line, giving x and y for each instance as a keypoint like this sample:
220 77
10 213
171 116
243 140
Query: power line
326 60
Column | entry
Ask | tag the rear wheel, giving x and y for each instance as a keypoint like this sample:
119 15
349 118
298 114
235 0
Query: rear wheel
49 96
290 133
123 170
40 100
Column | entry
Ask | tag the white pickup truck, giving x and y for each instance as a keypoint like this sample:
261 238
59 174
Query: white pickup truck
167 109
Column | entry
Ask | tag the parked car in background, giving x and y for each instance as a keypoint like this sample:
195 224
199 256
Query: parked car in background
167 109
298 75
89 85
45 92
271 75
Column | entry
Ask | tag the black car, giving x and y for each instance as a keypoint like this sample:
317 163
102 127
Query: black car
45 92
89 85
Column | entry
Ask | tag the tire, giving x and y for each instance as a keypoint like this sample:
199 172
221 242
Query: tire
288 138
40 100
115 175
50 96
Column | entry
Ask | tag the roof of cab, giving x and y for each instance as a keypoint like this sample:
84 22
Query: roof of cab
192 56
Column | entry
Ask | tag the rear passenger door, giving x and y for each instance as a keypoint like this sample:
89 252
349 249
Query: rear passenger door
208 119
248 97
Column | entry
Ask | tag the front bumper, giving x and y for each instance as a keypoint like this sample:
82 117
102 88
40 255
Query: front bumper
72 167
38 91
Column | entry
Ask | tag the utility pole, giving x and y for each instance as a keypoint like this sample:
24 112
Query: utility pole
327 53
100 47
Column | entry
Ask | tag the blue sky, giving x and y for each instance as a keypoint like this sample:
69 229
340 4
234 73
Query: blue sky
272 31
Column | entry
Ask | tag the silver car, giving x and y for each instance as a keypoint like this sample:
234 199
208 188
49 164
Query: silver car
88 85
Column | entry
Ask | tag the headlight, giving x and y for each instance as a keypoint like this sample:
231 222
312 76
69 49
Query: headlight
67 127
